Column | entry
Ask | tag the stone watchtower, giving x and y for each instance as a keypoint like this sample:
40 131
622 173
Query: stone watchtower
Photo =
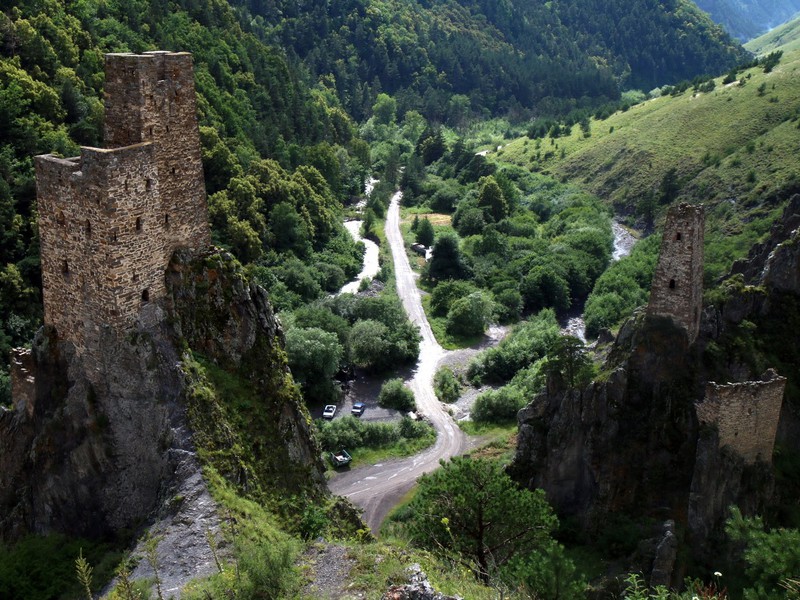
110 219
677 289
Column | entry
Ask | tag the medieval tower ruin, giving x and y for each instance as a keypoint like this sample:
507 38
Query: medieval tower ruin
677 289
110 219
745 414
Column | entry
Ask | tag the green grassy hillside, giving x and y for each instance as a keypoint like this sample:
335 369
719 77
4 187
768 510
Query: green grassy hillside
733 148
786 37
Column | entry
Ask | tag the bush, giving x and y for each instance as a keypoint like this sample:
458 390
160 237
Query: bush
446 386
448 292
469 316
395 395
351 432
424 233
498 406
527 343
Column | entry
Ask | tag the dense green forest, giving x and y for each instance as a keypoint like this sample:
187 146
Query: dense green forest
253 103
280 87
451 59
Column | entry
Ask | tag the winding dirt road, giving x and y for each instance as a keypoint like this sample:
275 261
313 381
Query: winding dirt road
378 488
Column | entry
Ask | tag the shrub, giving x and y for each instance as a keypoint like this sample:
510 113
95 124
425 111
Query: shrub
527 343
498 406
446 386
448 292
395 395
351 432
424 233
469 316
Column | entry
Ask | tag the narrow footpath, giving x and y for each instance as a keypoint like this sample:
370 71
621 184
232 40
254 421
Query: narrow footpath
378 488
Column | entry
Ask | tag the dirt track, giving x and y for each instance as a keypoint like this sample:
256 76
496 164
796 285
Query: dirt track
378 488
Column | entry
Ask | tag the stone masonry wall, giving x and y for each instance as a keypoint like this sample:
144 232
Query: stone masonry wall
111 219
745 414
156 89
677 288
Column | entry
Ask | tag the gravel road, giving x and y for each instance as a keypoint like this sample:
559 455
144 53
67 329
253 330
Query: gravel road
377 488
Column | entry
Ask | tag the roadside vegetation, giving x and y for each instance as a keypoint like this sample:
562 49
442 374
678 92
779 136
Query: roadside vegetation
369 441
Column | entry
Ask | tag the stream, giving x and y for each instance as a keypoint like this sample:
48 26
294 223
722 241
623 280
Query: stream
371 266
623 244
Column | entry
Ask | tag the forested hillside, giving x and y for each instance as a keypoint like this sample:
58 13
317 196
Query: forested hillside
729 143
449 59
280 85
745 19
253 103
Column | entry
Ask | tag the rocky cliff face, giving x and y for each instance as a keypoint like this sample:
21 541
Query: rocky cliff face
98 443
630 442
623 444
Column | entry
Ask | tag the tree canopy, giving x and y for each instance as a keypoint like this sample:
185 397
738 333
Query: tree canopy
470 509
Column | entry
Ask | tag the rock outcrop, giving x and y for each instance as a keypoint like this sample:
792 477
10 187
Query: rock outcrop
631 442
624 443
108 441
418 588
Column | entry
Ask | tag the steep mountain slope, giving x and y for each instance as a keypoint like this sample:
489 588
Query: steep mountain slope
784 37
745 19
502 56
732 147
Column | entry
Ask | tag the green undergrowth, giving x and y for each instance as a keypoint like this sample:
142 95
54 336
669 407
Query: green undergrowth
237 428
369 442
489 431
382 564
43 567
262 559
439 329
400 449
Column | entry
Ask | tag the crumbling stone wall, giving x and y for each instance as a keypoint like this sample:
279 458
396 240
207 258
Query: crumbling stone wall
110 219
677 288
746 415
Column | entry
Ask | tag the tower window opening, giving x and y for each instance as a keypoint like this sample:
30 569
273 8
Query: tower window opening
148 184
88 229
60 218
135 277
672 284
166 220
138 223
173 170
126 185
151 131
65 267
114 235
678 236
145 295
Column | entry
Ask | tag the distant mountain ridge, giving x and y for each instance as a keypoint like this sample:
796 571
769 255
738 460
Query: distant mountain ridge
785 37
498 57
747 19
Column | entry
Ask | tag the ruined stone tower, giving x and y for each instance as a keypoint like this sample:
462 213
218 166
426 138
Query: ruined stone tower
110 219
745 414
677 289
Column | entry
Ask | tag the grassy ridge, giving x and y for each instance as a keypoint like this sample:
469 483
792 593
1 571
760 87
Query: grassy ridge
733 148
786 37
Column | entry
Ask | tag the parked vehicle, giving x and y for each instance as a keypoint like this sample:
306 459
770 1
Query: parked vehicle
329 412
358 409
341 458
